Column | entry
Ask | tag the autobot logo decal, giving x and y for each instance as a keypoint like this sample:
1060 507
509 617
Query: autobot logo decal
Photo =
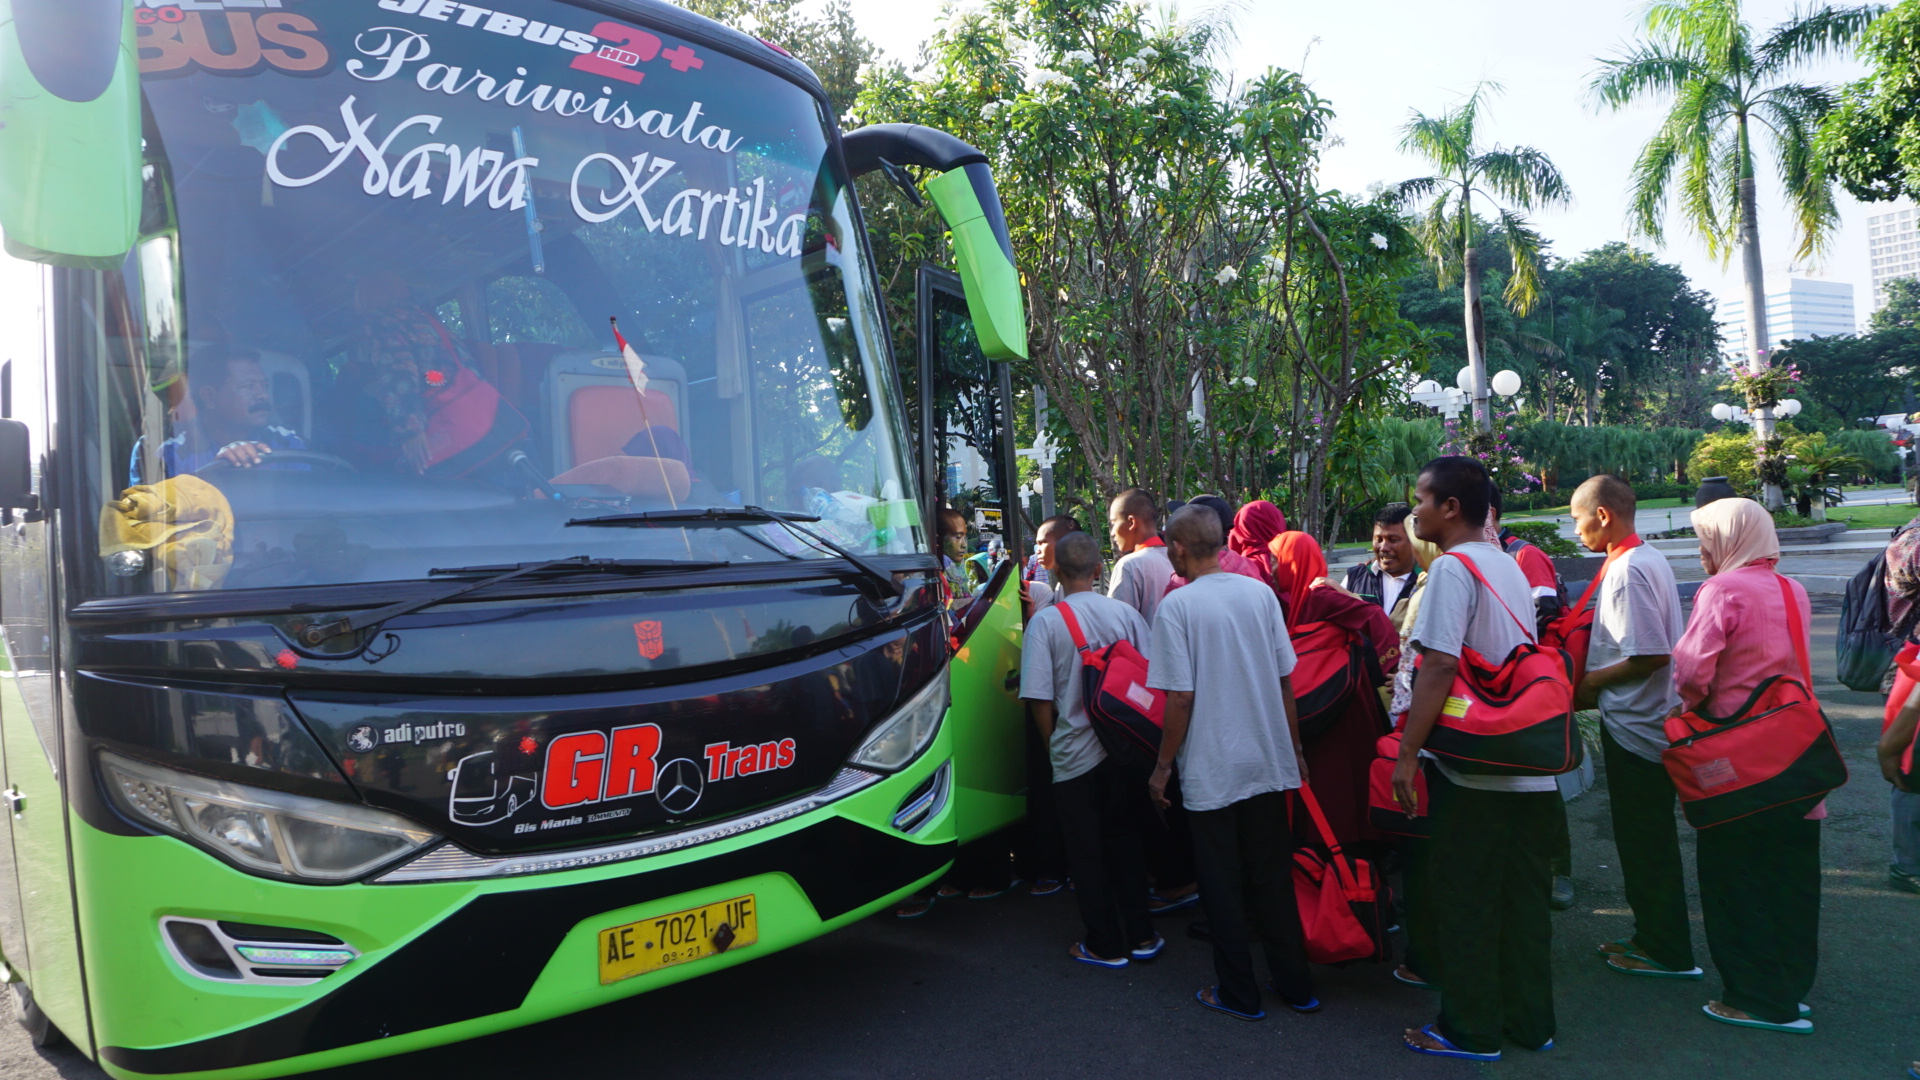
648 634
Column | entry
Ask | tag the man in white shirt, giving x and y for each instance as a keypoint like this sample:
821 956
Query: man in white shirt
1222 654
1100 807
1636 621
1140 576
1493 836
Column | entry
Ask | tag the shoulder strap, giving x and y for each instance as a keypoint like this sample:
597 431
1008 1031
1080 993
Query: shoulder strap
1594 585
1073 628
1341 869
1475 571
1801 646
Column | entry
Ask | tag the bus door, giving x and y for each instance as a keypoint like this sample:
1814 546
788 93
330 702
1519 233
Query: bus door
967 462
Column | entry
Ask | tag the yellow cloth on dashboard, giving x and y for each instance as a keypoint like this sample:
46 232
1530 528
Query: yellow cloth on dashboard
185 522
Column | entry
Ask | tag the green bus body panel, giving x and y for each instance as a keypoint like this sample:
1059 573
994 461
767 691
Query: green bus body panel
52 963
992 283
987 722
69 170
142 998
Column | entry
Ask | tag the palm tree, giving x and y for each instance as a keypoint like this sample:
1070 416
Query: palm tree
1723 83
1590 336
1521 176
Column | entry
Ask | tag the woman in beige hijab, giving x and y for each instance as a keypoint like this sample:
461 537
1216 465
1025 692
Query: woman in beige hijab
1760 874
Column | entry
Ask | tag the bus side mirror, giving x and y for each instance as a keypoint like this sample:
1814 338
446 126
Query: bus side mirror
16 468
971 206
69 131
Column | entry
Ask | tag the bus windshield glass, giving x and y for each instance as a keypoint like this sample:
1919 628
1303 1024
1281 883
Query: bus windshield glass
418 282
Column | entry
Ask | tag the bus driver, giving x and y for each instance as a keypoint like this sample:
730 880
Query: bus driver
224 415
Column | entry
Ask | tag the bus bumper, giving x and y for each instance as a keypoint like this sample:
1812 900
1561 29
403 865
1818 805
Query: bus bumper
445 961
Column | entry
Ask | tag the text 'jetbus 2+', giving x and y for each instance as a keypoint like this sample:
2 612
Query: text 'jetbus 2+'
464 543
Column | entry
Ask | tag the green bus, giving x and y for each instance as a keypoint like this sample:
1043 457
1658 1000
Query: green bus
466 545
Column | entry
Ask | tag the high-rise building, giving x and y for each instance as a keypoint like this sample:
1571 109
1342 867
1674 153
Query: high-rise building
1893 244
1797 308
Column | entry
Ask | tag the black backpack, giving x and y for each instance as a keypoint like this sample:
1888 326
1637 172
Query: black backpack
1864 648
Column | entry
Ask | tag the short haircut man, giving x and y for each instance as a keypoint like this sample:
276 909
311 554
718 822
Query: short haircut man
1609 491
1197 528
1061 523
1464 481
1138 503
1076 556
1393 514
1389 577
1141 574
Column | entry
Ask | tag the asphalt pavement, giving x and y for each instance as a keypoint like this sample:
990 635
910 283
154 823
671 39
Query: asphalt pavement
984 989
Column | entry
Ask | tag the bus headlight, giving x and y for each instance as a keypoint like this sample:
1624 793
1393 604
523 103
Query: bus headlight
895 743
267 832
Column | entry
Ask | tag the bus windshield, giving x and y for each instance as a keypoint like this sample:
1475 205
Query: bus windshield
418 282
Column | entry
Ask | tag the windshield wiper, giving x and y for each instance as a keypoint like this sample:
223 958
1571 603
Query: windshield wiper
739 515
366 620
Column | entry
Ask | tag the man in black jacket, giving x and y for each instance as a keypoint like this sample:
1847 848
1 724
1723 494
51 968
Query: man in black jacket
1391 575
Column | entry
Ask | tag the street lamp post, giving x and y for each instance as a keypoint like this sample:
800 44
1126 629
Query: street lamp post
1451 401
1762 420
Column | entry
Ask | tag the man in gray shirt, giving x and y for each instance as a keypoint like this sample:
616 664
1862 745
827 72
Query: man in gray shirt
1222 654
1100 808
1636 622
1141 574
1491 852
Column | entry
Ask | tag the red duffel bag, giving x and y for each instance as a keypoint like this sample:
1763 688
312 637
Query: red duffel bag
1514 718
1345 905
1906 665
1384 812
1327 670
1775 749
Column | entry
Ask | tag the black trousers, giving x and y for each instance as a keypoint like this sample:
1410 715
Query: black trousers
1641 798
1243 856
1039 851
1416 861
1490 876
1170 844
1100 817
1561 864
1760 892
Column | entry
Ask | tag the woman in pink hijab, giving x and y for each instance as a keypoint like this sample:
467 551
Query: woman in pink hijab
1760 874
1254 527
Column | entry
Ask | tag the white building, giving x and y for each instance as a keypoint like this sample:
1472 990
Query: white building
1893 244
1798 307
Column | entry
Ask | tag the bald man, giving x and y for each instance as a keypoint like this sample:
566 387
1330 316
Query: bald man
1636 622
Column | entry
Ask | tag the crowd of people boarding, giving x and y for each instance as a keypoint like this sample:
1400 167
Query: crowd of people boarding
1214 600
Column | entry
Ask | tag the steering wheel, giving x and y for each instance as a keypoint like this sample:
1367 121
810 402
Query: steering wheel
295 457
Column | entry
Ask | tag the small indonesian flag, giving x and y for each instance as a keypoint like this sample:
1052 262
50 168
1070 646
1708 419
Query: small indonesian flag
636 367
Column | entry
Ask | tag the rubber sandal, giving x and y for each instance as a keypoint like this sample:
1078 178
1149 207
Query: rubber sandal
1046 887
1157 905
1806 1009
1801 1026
1081 953
1312 1005
1418 984
1913 1071
947 892
1151 950
993 894
907 911
1201 997
1448 1050
1655 971
1617 947
1543 1047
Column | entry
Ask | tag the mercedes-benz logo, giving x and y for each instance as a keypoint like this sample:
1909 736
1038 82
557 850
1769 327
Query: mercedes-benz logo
680 786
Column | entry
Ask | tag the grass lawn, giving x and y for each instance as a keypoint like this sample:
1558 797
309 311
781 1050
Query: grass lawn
1872 517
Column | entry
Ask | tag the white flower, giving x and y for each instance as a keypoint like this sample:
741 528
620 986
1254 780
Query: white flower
1247 381
1134 64
1149 53
1227 275
1044 77
1379 241
1236 130
1078 56
989 110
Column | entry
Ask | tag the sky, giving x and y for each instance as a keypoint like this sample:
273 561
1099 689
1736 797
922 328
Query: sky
1379 60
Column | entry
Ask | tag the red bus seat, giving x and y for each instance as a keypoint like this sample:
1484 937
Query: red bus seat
603 419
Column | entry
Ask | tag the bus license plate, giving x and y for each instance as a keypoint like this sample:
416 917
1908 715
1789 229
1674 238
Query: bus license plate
683 936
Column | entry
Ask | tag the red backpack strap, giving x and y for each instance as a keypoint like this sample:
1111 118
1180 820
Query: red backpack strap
1339 860
1801 646
1475 571
1073 628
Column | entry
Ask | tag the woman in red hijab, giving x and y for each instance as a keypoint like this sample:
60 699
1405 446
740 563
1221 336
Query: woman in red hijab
1254 527
1339 756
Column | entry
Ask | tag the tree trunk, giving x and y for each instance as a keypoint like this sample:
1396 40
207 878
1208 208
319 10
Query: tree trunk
1476 338
1755 279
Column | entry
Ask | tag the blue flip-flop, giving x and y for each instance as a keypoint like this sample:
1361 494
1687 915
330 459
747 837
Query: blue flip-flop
1802 1026
1159 905
1448 1050
1653 970
1085 955
1150 950
1415 983
1311 1005
1201 997
1914 1071
1047 886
